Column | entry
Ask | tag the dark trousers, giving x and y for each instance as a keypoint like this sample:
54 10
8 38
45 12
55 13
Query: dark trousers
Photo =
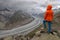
49 25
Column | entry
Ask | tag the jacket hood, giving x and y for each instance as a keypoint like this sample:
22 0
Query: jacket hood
49 7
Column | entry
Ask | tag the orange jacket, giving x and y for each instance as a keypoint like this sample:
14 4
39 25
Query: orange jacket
49 13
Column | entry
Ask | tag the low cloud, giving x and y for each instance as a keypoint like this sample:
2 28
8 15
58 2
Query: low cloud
27 4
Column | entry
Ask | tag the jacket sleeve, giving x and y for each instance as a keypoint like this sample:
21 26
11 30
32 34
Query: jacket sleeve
52 14
45 16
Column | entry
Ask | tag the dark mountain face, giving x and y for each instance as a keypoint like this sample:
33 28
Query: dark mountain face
5 14
19 16
12 19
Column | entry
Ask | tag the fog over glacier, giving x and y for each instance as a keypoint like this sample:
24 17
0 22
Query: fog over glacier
30 6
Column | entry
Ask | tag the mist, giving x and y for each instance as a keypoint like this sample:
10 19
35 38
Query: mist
30 6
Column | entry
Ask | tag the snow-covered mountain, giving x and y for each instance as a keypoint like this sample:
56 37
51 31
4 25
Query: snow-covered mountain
29 6
34 7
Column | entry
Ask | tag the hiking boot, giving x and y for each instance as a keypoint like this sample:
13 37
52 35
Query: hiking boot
51 33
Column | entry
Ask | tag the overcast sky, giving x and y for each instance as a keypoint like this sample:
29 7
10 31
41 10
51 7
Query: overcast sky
28 4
